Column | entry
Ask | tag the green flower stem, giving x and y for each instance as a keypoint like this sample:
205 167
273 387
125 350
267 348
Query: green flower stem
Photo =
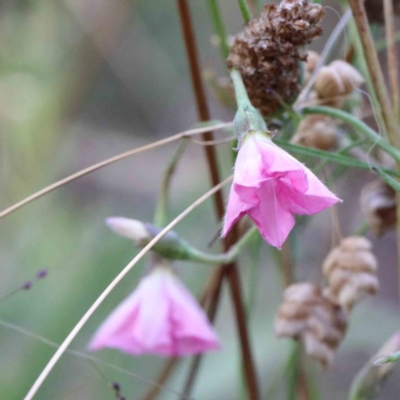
242 97
225 258
244 9
219 27
247 117
356 123
160 215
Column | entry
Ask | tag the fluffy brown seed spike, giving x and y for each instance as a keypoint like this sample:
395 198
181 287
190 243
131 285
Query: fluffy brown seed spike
269 50
307 315
378 203
350 270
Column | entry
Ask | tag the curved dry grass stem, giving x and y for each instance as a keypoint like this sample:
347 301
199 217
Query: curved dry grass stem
57 355
109 161
392 54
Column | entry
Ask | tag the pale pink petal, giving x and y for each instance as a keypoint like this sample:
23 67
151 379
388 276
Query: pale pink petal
271 186
235 210
272 217
192 332
160 317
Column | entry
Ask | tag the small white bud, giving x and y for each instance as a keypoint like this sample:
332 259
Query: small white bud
130 228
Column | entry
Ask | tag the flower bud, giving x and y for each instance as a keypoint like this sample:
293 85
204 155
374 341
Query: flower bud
378 203
316 131
350 270
171 246
339 78
307 315
130 228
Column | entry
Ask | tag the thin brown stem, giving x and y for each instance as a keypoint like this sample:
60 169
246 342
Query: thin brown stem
392 55
198 89
375 70
286 265
231 269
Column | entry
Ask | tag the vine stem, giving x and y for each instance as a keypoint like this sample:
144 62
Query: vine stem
109 161
60 351
230 270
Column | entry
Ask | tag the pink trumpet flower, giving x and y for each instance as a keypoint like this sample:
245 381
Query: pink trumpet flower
271 186
159 317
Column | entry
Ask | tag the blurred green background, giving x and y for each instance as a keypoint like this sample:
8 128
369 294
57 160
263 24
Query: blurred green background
80 81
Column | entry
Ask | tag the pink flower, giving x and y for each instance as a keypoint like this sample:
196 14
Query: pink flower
271 186
159 317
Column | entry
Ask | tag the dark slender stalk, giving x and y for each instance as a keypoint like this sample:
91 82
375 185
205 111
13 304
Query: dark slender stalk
231 269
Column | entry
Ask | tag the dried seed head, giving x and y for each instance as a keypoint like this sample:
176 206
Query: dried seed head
307 315
316 131
350 270
269 50
339 78
378 203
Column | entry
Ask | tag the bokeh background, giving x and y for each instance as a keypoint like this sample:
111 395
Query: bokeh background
81 81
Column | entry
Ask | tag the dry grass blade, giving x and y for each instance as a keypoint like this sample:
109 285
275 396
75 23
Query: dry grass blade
109 161
57 355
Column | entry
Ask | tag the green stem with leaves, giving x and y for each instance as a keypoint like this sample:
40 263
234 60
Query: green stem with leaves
357 124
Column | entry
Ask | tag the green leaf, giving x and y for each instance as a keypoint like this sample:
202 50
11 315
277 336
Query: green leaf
334 157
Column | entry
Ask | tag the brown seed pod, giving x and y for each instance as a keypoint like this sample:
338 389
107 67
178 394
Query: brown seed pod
350 270
307 315
269 50
378 203
339 78
316 131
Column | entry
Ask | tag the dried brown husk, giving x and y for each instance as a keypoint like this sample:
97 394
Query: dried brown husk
307 315
269 50
350 270
378 203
